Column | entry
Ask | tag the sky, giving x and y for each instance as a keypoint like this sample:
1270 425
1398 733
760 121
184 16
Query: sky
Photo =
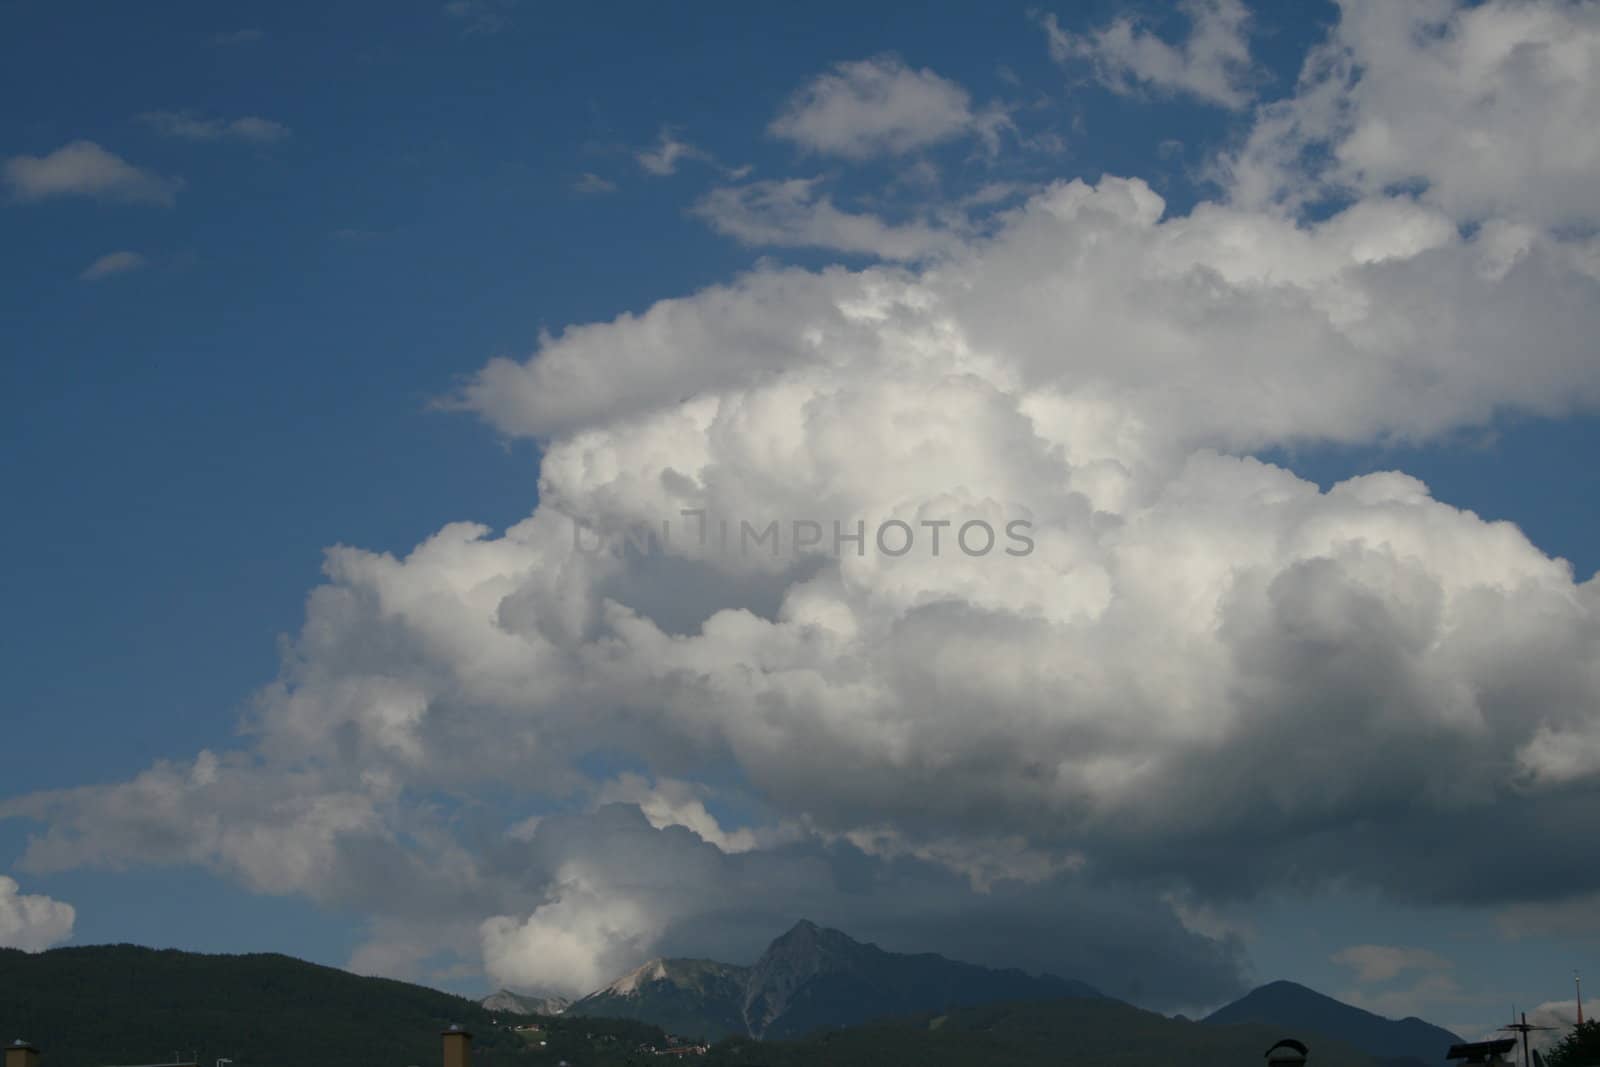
347 349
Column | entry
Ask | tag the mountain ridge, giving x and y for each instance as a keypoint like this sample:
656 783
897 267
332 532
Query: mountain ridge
91 1005
96 1004
505 1001
809 978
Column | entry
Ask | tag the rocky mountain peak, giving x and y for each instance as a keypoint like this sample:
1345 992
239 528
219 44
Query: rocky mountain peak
809 946
809 977
525 1003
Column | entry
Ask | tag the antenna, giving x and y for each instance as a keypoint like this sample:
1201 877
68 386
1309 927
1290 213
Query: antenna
1577 985
1522 1028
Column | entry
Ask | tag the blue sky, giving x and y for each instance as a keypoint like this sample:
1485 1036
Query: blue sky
289 363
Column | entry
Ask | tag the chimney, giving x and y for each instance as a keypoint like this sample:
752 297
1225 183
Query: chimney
21 1054
457 1048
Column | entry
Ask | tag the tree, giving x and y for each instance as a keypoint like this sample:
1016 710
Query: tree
1580 1048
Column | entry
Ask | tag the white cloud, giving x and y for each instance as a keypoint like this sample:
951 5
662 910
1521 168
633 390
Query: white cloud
1490 107
1213 63
793 213
32 923
670 151
111 263
189 127
1203 919
83 168
1225 327
1381 963
673 803
880 106
574 944
593 184
258 828
1430 995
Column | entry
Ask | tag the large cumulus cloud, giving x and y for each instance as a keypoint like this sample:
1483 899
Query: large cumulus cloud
1206 678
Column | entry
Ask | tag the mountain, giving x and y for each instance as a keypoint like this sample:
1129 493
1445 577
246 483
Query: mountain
506 1002
695 998
1100 1031
808 979
1296 1009
812 978
125 1004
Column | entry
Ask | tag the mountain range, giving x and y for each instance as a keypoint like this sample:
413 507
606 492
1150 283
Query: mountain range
94 1005
524 1004
813 979
808 979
